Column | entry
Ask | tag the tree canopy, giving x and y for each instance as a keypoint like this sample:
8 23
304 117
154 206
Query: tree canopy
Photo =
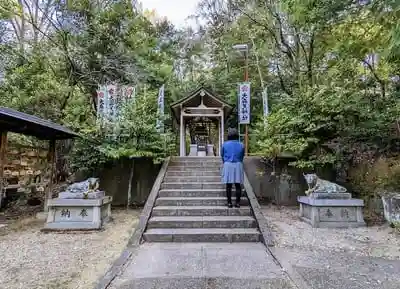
331 70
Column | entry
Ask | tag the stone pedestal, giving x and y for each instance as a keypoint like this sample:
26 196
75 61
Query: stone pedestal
331 210
193 150
391 208
210 150
194 153
78 214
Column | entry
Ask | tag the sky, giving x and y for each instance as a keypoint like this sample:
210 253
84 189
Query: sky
175 10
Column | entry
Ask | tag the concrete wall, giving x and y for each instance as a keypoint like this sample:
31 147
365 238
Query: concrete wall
114 179
281 188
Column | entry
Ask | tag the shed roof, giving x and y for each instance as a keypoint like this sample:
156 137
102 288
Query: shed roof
19 122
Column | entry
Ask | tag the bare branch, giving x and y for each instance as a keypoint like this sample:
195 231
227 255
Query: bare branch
380 81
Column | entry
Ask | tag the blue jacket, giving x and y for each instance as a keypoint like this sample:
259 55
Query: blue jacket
232 151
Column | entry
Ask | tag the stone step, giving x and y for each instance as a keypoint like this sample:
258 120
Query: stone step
193 186
202 222
195 201
202 235
200 211
193 173
196 193
217 162
195 159
199 163
193 179
193 169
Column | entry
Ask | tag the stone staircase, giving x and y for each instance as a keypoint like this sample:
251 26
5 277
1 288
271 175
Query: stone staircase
191 206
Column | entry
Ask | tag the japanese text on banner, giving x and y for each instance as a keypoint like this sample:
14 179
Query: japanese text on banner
265 102
160 104
244 103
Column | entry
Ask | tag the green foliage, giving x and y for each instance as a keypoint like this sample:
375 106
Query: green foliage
330 101
8 8
319 123
33 88
374 177
332 70
55 75
87 153
134 135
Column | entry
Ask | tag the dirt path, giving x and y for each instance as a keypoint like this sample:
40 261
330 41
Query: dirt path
31 259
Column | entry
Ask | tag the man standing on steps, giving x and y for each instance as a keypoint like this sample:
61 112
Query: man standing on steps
232 153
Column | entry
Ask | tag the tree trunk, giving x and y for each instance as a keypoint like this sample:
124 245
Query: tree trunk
130 185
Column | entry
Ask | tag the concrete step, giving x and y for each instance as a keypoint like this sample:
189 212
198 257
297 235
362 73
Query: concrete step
195 193
202 222
193 186
193 169
195 159
193 179
195 201
199 163
194 173
209 160
200 211
202 235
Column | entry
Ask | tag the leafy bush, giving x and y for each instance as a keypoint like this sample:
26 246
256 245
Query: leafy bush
323 124
380 176
388 174
133 135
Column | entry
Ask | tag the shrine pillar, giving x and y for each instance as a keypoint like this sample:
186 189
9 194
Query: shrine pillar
222 128
182 143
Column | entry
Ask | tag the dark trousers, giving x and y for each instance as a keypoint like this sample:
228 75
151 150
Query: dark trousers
229 192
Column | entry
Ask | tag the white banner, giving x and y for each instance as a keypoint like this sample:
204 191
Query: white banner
265 102
244 103
160 105
101 97
110 99
129 93
111 102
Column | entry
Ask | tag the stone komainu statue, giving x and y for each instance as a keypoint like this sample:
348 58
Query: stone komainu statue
317 185
91 184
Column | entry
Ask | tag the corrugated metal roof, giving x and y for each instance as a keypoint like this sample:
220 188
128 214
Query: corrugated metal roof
19 122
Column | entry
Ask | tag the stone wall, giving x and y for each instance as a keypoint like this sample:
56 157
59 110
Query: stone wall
281 187
114 179
26 173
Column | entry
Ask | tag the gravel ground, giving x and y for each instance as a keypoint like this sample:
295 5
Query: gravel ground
290 232
31 259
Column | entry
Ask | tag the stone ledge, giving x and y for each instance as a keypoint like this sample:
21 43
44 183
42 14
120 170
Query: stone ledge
137 236
331 213
78 215
91 195
330 202
334 224
72 226
79 202
266 233
331 196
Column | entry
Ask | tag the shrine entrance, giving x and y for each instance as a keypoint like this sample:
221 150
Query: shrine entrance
201 118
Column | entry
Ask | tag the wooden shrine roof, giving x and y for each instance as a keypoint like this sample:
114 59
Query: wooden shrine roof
19 122
194 99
